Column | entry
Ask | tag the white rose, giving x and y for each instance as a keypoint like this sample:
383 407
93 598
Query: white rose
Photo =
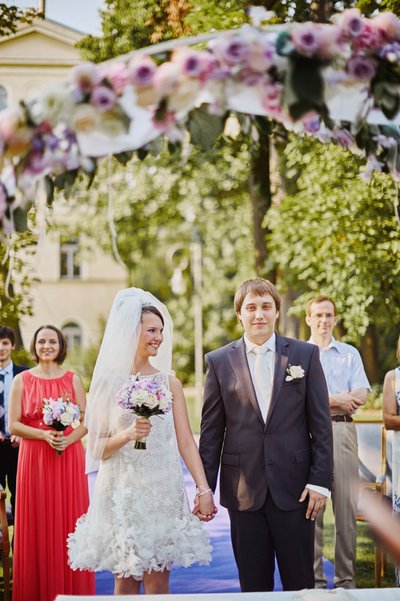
66 419
151 401
296 371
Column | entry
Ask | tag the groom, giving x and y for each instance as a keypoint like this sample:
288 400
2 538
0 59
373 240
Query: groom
266 420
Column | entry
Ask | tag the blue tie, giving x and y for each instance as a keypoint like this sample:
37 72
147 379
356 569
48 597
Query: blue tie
2 411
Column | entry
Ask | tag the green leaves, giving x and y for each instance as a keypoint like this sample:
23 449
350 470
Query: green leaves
303 87
204 127
385 88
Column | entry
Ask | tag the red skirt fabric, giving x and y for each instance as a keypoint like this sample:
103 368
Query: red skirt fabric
52 493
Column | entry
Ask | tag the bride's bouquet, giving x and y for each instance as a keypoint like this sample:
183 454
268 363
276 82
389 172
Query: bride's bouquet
60 413
144 398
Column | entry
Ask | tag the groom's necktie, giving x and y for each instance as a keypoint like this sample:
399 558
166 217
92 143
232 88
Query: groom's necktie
2 409
263 376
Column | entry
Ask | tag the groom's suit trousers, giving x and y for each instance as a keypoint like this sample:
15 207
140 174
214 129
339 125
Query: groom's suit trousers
259 536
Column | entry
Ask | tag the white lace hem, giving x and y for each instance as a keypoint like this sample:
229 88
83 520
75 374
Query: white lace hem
137 550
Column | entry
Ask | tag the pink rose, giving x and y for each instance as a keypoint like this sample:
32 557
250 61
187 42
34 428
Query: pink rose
351 22
141 71
103 98
388 24
261 55
307 39
231 50
361 68
86 76
117 75
191 62
371 38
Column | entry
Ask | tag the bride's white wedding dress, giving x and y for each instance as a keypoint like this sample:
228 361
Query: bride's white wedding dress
139 517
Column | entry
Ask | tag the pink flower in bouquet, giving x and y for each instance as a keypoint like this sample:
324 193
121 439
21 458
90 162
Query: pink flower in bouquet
103 98
145 397
307 39
231 50
141 71
361 68
351 22
388 24
86 76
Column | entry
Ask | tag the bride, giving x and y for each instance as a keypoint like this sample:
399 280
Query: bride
139 521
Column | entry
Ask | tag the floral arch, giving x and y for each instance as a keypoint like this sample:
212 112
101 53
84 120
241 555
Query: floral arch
338 82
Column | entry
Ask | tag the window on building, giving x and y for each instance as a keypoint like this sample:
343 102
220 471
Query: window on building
73 334
70 265
3 98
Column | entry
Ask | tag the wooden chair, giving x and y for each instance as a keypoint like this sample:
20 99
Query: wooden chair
372 456
4 544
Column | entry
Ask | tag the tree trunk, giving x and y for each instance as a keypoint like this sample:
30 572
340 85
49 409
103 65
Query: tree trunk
260 193
369 353
320 10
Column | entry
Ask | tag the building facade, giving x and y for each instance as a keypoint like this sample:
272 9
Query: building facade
76 281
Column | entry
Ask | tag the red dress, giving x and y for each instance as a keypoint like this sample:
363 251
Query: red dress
52 495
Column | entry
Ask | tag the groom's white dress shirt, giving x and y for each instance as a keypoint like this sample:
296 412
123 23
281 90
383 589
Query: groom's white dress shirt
268 359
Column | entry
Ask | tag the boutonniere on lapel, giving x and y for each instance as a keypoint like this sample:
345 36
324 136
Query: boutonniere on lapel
294 372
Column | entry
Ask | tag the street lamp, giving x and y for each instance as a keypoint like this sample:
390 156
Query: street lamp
178 286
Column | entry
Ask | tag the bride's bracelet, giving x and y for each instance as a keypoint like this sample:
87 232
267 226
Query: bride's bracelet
205 492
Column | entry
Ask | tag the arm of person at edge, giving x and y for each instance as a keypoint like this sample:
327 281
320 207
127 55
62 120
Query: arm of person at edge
389 405
55 439
348 401
320 425
204 506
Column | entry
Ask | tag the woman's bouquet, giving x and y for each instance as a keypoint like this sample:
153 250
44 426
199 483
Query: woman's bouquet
60 413
145 397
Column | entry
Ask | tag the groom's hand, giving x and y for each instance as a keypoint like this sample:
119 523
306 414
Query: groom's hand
316 502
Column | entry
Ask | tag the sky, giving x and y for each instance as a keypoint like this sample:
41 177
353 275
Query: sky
79 14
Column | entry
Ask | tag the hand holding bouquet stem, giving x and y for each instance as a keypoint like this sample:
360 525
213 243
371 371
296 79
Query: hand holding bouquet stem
59 414
144 425
145 397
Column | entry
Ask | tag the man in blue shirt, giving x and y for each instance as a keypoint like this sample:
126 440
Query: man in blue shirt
8 444
348 388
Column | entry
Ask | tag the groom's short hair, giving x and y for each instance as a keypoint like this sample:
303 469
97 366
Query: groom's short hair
259 287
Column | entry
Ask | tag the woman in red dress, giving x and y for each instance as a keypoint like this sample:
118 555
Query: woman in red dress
52 488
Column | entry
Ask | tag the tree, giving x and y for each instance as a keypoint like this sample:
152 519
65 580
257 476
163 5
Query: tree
340 238
159 208
14 299
12 16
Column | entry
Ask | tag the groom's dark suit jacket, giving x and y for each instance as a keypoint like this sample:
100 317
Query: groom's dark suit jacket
292 448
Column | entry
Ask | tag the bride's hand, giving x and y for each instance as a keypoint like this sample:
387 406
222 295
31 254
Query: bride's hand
204 507
140 428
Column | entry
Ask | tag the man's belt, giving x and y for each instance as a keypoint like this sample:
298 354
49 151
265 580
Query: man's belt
341 418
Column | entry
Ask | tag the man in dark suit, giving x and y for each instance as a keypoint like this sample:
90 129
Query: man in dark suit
8 444
266 421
